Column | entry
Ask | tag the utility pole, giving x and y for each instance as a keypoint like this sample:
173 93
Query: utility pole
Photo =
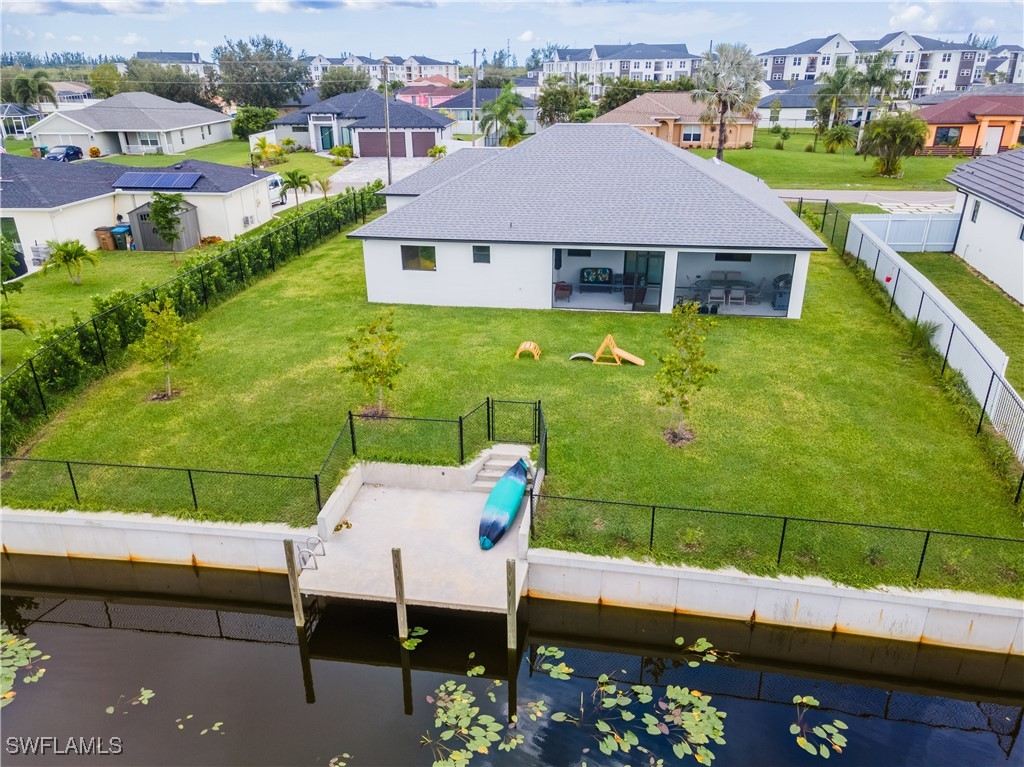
473 112
387 119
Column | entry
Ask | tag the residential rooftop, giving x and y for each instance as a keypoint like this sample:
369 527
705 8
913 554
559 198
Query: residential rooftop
441 171
649 108
998 179
140 111
366 109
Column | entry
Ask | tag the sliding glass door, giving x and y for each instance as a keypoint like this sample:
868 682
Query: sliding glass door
642 275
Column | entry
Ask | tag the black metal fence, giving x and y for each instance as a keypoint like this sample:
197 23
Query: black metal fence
210 494
769 544
73 357
997 400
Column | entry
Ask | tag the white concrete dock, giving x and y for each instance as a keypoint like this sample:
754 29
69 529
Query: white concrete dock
442 562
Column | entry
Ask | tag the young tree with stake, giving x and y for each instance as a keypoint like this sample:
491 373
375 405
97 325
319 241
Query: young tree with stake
373 358
684 370
168 339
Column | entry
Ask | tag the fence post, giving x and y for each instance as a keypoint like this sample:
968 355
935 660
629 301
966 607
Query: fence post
316 486
878 257
824 215
832 239
536 422
782 540
1020 488
352 431
650 543
99 343
988 391
920 305
462 444
192 487
800 207
490 426
945 357
895 287
924 550
202 284
72 476
533 511
403 618
39 388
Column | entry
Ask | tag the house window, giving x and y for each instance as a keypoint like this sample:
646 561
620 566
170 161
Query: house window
908 57
981 57
969 56
947 136
481 254
965 73
647 77
797 61
1021 237
777 76
947 57
732 257
668 65
895 58
974 211
149 139
811 115
764 62
943 74
779 60
636 65
647 65
668 77
181 135
691 133
578 253
419 258
826 59
842 59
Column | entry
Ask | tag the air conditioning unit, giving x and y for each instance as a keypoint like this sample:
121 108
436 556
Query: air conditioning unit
248 220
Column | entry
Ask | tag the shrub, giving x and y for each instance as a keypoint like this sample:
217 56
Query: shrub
809 147
776 129
338 161
94 152
779 145
211 240
959 153
341 151
748 145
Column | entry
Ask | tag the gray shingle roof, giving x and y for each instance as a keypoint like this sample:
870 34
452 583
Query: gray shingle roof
574 54
998 179
366 108
30 183
427 61
483 95
635 189
651 51
441 171
140 111
802 96
801 48
170 57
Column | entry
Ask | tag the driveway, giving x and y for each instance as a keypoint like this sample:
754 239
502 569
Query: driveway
893 200
366 170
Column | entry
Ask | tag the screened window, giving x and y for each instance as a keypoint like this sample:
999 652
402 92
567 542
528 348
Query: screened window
974 211
732 256
947 136
578 253
419 258
149 139
481 254
691 133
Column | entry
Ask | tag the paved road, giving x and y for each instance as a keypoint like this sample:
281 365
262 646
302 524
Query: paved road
893 200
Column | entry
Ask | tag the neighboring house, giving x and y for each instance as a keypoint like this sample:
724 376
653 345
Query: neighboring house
433 80
428 96
590 216
1000 89
929 65
974 124
64 201
357 120
1006 64
799 107
134 123
69 96
461 108
991 233
15 120
307 98
409 188
676 118
637 61
190 61
527 86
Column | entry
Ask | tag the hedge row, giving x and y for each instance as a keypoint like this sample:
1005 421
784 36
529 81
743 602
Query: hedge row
77 353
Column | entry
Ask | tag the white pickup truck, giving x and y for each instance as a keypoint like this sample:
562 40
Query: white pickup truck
278 195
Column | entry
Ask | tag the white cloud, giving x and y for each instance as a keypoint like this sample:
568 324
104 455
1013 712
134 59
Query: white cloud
131 39
73 39
25 33
200 43
527 37
49 36
928 17
90 7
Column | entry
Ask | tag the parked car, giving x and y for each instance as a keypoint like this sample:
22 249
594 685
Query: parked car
64 153
278 196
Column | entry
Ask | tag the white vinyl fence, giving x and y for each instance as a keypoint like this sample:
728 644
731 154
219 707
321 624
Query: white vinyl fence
963 345
914 232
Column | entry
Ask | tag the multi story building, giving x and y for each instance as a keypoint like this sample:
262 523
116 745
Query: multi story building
929 65
319 65
190 61
1006 64
404 68
637 61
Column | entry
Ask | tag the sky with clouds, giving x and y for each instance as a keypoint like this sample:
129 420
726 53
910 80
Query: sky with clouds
451 29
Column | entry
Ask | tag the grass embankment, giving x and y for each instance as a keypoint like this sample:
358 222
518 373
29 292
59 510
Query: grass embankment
998 315
52 297
231 152
802 420
793 168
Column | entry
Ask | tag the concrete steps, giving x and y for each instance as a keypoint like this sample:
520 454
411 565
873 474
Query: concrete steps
494 467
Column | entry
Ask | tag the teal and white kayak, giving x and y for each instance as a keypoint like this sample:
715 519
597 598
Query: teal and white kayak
502 505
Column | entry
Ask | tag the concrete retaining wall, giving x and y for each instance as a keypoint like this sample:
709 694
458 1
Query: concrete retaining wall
968 621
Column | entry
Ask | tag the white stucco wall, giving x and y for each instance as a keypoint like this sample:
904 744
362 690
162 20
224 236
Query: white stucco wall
302 137
198 136
993 245
70 222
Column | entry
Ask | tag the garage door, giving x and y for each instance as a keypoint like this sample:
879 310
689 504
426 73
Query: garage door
372 144
421 142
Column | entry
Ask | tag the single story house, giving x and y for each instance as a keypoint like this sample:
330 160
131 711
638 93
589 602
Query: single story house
65 201
455 164
15 120
461 107
357 120
991 233
585 216
676 118
974 124
427 95
799 107
134 123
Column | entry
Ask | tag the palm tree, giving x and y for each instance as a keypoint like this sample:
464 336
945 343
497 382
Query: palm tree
878 77
839 135
323 183
264 149
500 115
837 87
33 89
727 84
296 179
890 139
70 254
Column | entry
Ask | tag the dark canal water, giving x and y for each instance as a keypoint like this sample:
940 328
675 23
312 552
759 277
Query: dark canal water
229 653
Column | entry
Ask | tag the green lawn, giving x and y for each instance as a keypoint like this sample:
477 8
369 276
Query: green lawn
801 420
232 152
793 168
22 147
50 297
998 315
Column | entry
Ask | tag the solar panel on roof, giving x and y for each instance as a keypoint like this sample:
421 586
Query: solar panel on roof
138 180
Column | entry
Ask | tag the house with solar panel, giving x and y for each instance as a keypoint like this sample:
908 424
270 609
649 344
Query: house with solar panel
134 123
83 200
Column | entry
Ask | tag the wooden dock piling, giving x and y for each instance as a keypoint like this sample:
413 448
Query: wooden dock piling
293 583
403 618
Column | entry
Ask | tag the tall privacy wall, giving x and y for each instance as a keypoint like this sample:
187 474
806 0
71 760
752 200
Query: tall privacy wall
914 232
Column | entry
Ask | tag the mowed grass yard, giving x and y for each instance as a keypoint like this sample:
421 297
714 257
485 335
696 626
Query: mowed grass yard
231 152
998 315
793 168
51 297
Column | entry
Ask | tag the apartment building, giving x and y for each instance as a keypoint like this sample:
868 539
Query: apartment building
404 68
319 65
637 61
929 65
190 61
1006 64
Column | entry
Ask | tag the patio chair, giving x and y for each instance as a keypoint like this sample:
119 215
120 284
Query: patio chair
716 296
732 276
755 293
737 297
717 276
